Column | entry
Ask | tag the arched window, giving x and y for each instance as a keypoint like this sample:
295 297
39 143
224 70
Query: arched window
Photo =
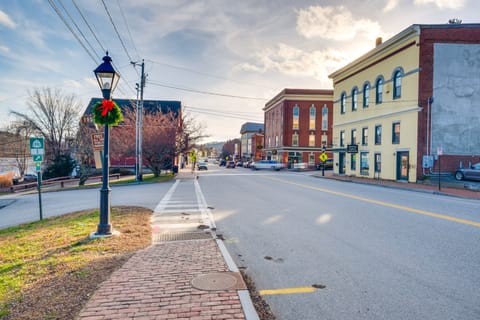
366 94
397 84
343 101
379 90
313 116
296 115
324 118
354 98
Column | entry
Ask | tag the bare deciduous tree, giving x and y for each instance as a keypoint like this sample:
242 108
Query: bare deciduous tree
52 115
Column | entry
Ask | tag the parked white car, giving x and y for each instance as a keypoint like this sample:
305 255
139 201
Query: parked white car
267 164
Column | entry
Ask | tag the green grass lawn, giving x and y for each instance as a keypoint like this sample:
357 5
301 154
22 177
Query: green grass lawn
35 255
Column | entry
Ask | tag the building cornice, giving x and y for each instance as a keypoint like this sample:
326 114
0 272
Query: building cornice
407 35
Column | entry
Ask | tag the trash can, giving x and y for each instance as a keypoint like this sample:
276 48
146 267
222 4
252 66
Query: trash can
175 169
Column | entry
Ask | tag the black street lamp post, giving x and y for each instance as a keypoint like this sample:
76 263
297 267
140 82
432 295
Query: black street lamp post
107 79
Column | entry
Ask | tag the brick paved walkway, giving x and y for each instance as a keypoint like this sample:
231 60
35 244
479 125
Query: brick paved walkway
162 281
156 284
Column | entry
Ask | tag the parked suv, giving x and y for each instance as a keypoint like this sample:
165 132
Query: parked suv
267 164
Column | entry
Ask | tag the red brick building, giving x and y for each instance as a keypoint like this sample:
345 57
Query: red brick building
298 126
257 146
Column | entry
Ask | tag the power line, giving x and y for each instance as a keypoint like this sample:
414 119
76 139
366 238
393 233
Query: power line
88 25
54 7
156 83
128 28
221 114
78 28
116 31
209 75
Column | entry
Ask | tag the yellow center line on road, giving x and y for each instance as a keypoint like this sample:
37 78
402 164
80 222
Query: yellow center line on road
382 203
287 291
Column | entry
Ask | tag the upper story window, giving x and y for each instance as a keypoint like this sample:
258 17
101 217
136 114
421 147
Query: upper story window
396 133
354 98
353 136
324 118
276 141
295 139
397 84
378 134
311 140
296 116
379 90
365 136
342 138
343 101
366 94
313 115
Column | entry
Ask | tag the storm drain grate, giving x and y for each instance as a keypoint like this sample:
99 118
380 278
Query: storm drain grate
179 236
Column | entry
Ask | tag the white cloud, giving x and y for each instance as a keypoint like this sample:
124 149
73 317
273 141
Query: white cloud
6 21
334 23
4 49
295 62
443 4
391 4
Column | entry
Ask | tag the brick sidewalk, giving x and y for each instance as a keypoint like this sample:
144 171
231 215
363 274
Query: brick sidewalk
156 284
430 188
184 274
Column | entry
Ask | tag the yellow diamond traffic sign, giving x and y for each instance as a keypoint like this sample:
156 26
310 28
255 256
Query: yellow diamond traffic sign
323 157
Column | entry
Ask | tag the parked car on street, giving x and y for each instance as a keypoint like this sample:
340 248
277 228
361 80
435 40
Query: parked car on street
266 164
222 162
28 177
202 166
230 164
472 173
328 165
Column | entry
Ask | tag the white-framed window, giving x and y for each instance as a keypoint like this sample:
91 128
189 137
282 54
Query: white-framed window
313 115
324 118
296 116
311 140
354 98
397 84
295 139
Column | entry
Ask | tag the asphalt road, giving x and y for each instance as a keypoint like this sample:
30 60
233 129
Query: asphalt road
21 208
373 252
378 253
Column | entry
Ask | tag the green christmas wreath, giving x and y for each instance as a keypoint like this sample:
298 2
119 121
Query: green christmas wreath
107 113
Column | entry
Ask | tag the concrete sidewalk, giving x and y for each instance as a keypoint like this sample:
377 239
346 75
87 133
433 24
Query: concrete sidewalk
453 189
185 274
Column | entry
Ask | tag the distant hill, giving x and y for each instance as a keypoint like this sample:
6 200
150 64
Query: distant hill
215 144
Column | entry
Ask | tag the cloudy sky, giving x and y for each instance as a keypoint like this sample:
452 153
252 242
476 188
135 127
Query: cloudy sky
223 59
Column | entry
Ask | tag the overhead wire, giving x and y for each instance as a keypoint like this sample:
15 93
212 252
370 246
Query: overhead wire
116 30
125 22
78 28
57 11
88 25
166 85
209 75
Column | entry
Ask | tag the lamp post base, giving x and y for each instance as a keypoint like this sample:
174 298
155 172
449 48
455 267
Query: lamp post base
95 235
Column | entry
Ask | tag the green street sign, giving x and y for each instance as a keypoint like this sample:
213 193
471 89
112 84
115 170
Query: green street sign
36 146
37 157
38 166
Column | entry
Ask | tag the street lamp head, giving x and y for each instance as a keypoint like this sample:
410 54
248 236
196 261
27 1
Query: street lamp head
107 77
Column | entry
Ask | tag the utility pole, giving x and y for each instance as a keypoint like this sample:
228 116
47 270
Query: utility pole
137 107
139 173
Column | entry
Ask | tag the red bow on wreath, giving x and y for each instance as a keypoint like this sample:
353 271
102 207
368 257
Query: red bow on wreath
105 107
